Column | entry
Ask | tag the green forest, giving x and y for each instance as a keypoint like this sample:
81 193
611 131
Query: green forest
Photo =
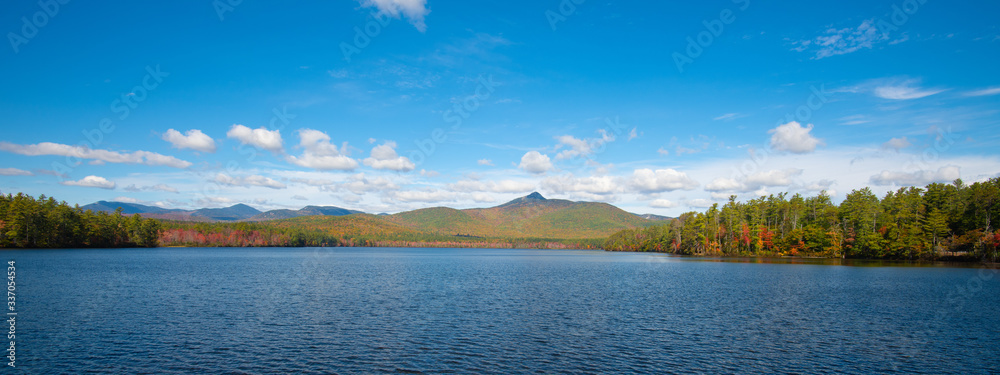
936 222
26 222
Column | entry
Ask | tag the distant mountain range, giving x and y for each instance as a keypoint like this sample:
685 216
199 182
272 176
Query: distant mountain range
531 216
239 212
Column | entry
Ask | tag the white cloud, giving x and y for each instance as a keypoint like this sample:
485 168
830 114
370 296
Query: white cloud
633 134
569 184
662 203
299 198
127 200
897 144
426 196
792 137
535 162
581 147
485 162
729 117
414 10
320 154
92 181
984 92
772 178
918 178
663 151
384 157
312 181
247 181
483 198
724 184
721 196
503 186
426 173
755 182
137 157
649 181
261 137
157 187
844 41
193 139
14 172
905 90
700 203
361 184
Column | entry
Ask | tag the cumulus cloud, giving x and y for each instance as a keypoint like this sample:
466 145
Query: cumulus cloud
792 137
318 153
487 162
127 200
905 90
360 184
649 181
158 187
248 181
192 139
57 149
772 178
414 10
483 198
843 41
261 137
570 184
581 147
92 181
423 196
755 181
662 203
897 144
503 186
14 172
535 162
918 178
700 203
724 184
384 157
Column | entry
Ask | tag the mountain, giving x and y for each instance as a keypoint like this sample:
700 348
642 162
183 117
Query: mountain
531 216
654 217
127 208
305 211
232 213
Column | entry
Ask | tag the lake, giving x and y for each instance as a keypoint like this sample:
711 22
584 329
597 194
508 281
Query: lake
387 310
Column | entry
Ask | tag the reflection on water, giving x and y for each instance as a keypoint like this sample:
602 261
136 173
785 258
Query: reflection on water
495 311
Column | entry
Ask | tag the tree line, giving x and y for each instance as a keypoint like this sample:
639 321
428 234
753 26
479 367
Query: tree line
245 234
26 222
937 221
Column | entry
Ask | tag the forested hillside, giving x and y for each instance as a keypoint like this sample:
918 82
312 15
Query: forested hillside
26 222
937 221
532 216
351 230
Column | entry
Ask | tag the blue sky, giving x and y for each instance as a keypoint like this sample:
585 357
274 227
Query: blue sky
392 105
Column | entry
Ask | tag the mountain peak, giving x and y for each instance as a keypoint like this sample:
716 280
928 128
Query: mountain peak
530 199
535 195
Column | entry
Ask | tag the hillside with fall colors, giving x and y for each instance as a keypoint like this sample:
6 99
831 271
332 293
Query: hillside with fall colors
532 216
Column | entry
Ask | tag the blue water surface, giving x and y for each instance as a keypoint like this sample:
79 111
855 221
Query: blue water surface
390 310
